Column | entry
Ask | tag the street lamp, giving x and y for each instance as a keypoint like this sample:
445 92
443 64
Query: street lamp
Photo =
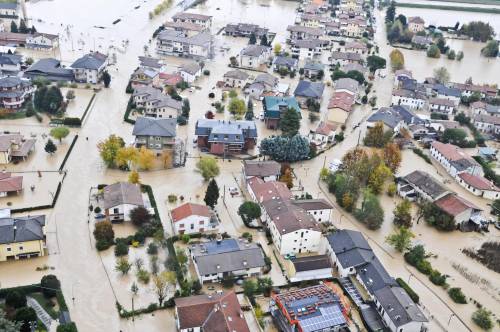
449 320
73 291
409 277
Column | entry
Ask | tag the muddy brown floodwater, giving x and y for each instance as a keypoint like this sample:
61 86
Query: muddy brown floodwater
72 255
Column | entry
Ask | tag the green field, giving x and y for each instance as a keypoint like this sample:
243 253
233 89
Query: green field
454 8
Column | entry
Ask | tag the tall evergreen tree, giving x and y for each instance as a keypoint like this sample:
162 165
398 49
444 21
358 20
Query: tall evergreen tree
13 27
253 39
263 40
106 78
186 107
212 194
290 122
22 27
50 147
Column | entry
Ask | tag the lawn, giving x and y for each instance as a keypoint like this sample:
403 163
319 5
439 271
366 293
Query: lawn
46 304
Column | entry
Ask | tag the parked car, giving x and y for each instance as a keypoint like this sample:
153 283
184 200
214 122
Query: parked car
261 116
233 191
334 165
100 216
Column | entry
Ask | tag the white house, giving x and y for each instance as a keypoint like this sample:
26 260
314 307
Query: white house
10 63
306 48
236 79
42 41
478 185
89 68
319 209
459 208
200 19
190 218
155 103
441 105
454 159
487 124
190 71
323 134
409 98
120 199
253 56
226 258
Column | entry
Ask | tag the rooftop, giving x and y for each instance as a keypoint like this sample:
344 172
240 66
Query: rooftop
162 127
122 193
261 168
189 209
425 182
94 61
454 205
22 229
9 183
255 50
309 263
309 89
478 182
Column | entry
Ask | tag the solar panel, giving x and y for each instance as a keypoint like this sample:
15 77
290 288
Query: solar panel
224 246
330 316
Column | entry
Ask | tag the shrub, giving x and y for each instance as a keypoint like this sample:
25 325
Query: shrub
50 285
121 249
152 249
421 153
206 72
411 293
457 296
101 245
482 318
69 327
172 198
185 238
391 189
97 209
15 299
424 266
211 95
143 276
181 120
437 278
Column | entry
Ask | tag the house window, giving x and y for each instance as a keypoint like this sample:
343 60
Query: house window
9 249
116 210
21 248
192 226
181 225
202 222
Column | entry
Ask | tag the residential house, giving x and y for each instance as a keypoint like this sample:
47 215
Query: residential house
203 20
191 218
454 159
226 137
463 212
315 308
421 42
343 58
313 20
409 98
10 184
488 154
236 79
307 48
353 257
14 91
313 69
441 105
42 41
332 28
308 90
22 237
355 47
186 28
14 146
49 69
340 107
190 71
147 62
9 12
420 185
353 27
181 44
155 134
302 32
268 170
90 67
485 123
222 259
171 79
219 312
480 107
444 92
319 209
262 191
468 90
253 56
288 63
323 134
416 24
245 30
145 77
263 84
120 199
275 108
155 103
402 75
394 118
478 185
10 63
12 38
354 67
314 267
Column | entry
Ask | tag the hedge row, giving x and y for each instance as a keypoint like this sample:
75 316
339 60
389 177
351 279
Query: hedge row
175 262
149 309
68 153
420 153
87 109
414 296
33 288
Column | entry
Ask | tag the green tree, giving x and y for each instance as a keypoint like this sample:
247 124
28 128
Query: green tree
133 177
482 318
378 177
460 55
282 148
68 327
7 325
478 31
433 52
376 137
250 288
264 285
442 75
140 216
290 122
50 147
108 149
402 214
451 55
161 284
25 316
50 285
400 239
22 27
106 78
212 194
390 13
253 39
249 114
237 107
186 108
59 133
277 49
13 27
375 62
491 49
207 167
15 299
249 211
455 136
397 59
123 265
263 40
104 231
121 248
370 213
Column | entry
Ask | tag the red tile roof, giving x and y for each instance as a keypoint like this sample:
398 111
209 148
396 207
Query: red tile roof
189 209
342 100
454 205
325 128
478 182
450 152
10 183
268 190
170 79
215 313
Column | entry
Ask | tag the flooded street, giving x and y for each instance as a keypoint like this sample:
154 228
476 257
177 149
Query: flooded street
90 278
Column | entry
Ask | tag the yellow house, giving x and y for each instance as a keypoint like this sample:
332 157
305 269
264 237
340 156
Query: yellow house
22 237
